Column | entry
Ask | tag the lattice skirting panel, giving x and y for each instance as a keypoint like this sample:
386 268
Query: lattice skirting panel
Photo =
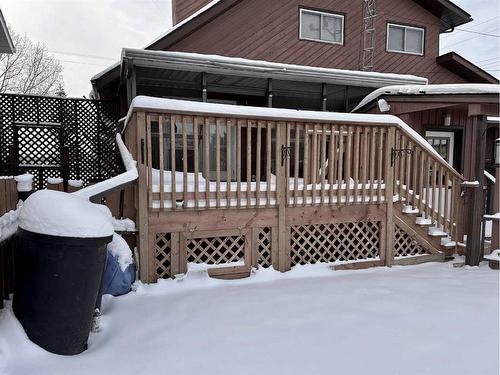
263 245
216 250
334 242
405 245
162 255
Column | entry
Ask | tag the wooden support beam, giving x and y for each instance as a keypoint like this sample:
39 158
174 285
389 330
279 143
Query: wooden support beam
474 202
389 192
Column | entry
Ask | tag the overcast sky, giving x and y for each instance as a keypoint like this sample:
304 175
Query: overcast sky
88 35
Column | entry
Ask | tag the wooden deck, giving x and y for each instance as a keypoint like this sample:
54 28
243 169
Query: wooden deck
251 192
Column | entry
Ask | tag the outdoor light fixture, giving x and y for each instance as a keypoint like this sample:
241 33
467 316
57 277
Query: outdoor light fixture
447 119
383 106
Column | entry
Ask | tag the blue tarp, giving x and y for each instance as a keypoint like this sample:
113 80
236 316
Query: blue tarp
115 281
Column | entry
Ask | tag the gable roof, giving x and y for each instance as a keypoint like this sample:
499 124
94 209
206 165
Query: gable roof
465 69
6 45
450 15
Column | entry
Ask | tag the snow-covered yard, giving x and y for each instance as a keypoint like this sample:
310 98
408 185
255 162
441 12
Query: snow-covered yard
427 319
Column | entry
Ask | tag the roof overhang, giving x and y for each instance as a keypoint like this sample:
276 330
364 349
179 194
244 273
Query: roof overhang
454 94
193 62
465 69
6 45
450 15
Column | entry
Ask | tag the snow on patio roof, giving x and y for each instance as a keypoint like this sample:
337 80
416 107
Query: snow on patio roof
235 65
152 104
449 89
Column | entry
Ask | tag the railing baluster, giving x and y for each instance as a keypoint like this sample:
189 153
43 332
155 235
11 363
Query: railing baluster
229 124
401 174
296 164
446 202
314 166
331 163
364 174
287 163
372 154
407 173
306 163
258 160
206 157
150 170
323 162
217 161
162 166
249 162
380 176
434 191
238 163
196 135
440 197
348 155
357 153
172 161
340 175
184 162
421 174
268 161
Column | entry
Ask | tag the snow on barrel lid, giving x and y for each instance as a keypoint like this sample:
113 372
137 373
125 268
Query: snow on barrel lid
66 215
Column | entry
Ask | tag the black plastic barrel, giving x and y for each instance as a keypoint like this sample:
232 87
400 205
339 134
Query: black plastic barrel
56 289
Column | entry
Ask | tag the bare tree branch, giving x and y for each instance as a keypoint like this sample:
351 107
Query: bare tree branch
31 70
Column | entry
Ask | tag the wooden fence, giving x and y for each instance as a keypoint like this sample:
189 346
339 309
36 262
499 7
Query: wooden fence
8 202
286 175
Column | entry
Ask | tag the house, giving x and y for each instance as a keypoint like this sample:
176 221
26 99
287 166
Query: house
6 45
231 175
358 36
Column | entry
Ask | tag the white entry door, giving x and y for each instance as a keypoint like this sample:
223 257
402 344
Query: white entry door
443 143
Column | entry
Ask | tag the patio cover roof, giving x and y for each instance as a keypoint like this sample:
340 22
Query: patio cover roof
183 61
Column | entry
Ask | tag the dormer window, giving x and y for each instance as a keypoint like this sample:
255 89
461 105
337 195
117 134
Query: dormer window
321 26
405 39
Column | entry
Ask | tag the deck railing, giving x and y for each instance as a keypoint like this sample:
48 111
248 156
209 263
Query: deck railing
223 162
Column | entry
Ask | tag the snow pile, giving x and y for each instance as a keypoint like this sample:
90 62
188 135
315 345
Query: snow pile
54 180
120 249
67 215
308 321
116 182
449 89
495 255
8 224
24 182
123 225
75 183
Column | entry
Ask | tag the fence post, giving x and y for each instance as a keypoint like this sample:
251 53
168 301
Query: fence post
389 193
65 167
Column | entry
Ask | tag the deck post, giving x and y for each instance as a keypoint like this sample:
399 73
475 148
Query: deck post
388 252
142 201
475 203
281 186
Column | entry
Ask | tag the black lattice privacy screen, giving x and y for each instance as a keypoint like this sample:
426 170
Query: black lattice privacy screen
34 129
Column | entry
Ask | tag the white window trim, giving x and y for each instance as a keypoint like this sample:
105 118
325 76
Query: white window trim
404 40
302 10
448 135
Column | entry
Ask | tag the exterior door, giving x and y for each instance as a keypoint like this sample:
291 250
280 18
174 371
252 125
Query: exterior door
443 143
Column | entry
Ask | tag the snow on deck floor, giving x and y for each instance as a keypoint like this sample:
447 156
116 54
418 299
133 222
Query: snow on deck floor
402 320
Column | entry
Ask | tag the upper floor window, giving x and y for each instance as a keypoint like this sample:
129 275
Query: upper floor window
405 39
321 26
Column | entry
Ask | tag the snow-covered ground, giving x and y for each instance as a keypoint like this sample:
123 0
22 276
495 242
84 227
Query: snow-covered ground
427 319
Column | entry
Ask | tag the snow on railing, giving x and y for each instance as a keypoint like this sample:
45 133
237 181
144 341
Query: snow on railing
490 177
115 183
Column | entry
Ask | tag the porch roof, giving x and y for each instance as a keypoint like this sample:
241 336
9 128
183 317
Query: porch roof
195 62
453 90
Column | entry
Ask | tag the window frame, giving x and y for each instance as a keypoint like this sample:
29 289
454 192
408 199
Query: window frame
405 28
321 14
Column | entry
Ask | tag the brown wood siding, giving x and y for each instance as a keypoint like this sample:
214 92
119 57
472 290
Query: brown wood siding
261 29
182 9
